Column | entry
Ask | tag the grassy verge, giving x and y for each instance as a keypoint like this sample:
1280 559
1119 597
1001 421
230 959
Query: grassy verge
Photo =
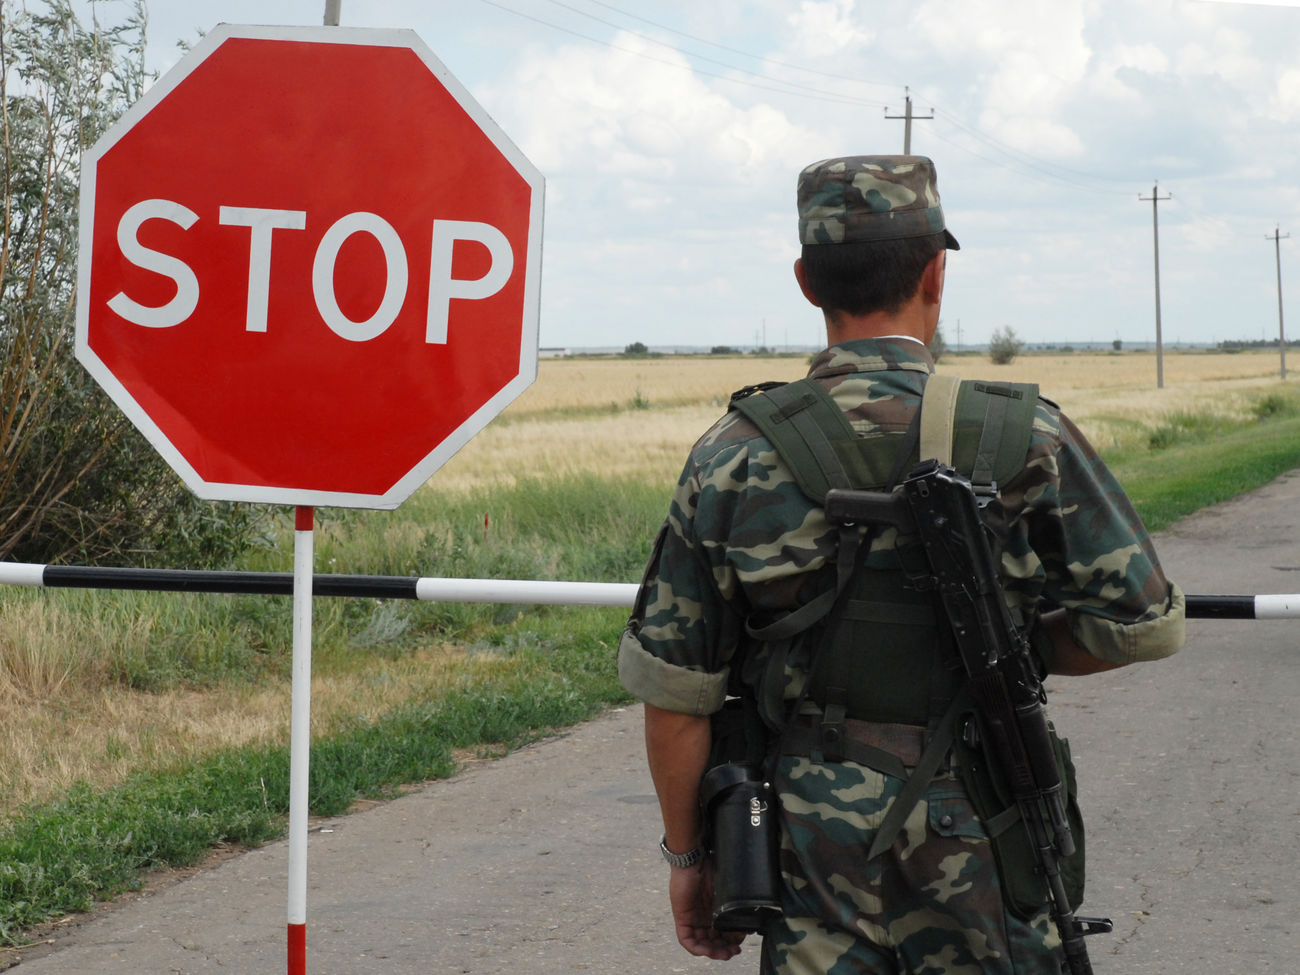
1198 471
60 857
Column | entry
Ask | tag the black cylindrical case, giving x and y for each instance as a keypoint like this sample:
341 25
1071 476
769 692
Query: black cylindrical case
741 809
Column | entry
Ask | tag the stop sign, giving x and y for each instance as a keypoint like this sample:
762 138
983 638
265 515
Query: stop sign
309 266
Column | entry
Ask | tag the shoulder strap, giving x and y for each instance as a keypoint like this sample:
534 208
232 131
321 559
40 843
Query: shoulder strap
980 428
817 442
992 428
938 414
808 430
815 439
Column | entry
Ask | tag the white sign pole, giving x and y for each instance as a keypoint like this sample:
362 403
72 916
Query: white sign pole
300 737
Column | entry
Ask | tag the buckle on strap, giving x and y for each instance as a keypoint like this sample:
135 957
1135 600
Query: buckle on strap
830 740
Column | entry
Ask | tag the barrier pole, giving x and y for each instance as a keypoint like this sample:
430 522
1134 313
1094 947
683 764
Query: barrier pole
300 738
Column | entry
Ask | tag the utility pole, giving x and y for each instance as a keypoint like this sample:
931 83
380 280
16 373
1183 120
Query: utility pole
907 117
1155 199
1277 239
332 12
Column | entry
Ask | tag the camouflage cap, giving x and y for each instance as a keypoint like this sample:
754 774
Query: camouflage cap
870 198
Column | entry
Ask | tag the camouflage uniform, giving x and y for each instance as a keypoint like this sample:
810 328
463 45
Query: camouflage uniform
742 544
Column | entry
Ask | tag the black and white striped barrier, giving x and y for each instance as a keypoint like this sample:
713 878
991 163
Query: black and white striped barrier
1262 607
281 584
530 592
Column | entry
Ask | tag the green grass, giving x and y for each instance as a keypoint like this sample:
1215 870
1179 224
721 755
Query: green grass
1168 484
61 857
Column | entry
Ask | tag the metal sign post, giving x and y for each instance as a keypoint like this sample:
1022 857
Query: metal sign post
300 738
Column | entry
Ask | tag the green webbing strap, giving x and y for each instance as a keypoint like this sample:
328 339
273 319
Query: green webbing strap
803 423
816 440
992 425
810 612
980 428
986 455
914 788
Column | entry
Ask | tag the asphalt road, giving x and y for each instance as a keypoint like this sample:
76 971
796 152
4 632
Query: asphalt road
545 862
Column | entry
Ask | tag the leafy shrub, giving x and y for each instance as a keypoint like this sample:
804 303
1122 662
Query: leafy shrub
1004 346
77 482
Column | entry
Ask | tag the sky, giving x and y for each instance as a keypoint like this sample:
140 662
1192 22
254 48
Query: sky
671 134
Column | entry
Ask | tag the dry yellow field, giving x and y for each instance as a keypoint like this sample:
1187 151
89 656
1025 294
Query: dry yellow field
638 417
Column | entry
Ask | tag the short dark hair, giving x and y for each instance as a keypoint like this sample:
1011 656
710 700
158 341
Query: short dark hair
869 275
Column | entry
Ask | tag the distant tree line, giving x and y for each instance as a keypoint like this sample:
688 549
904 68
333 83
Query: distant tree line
1237 345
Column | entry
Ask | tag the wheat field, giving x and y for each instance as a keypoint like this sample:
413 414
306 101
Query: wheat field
636 418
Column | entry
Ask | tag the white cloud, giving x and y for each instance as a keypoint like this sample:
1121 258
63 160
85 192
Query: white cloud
1025 59
1223 53
1285 103
640 111
823 28
1127 60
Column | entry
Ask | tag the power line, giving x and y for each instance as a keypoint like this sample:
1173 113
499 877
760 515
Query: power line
735 50
1053 171
774 85
1011 159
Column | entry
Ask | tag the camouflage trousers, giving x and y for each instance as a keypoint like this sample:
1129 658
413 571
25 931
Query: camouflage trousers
930 905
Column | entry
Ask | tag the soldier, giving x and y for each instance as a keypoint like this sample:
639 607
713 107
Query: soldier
744 549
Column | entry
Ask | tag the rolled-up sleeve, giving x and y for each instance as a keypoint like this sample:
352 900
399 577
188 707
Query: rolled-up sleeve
669 686
1127 643
1079 545
676 650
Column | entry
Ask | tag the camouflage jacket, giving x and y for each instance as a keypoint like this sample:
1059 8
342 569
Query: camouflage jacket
741 541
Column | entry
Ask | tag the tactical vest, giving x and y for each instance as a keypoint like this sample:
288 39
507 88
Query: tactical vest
873 645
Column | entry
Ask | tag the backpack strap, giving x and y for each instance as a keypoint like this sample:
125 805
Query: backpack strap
992 424
809 432
817 442
938 415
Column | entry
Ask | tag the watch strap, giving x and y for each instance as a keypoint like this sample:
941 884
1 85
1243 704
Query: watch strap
687 859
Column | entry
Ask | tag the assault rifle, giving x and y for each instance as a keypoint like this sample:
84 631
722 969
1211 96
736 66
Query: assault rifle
939 506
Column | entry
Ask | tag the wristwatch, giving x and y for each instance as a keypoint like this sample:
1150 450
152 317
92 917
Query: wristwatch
688 859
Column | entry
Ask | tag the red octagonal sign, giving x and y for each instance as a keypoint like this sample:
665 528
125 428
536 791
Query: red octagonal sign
309 266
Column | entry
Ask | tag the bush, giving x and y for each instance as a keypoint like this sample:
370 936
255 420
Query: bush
1004 346
78 481
1276 405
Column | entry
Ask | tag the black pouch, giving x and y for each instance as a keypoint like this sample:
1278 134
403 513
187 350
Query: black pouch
1024 890
740 806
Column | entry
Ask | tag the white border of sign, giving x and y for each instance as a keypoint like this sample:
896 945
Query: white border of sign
425 469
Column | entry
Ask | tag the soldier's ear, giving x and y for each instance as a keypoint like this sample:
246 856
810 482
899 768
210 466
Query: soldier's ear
801 276
931 288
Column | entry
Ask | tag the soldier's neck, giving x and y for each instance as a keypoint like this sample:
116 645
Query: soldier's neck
913 319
